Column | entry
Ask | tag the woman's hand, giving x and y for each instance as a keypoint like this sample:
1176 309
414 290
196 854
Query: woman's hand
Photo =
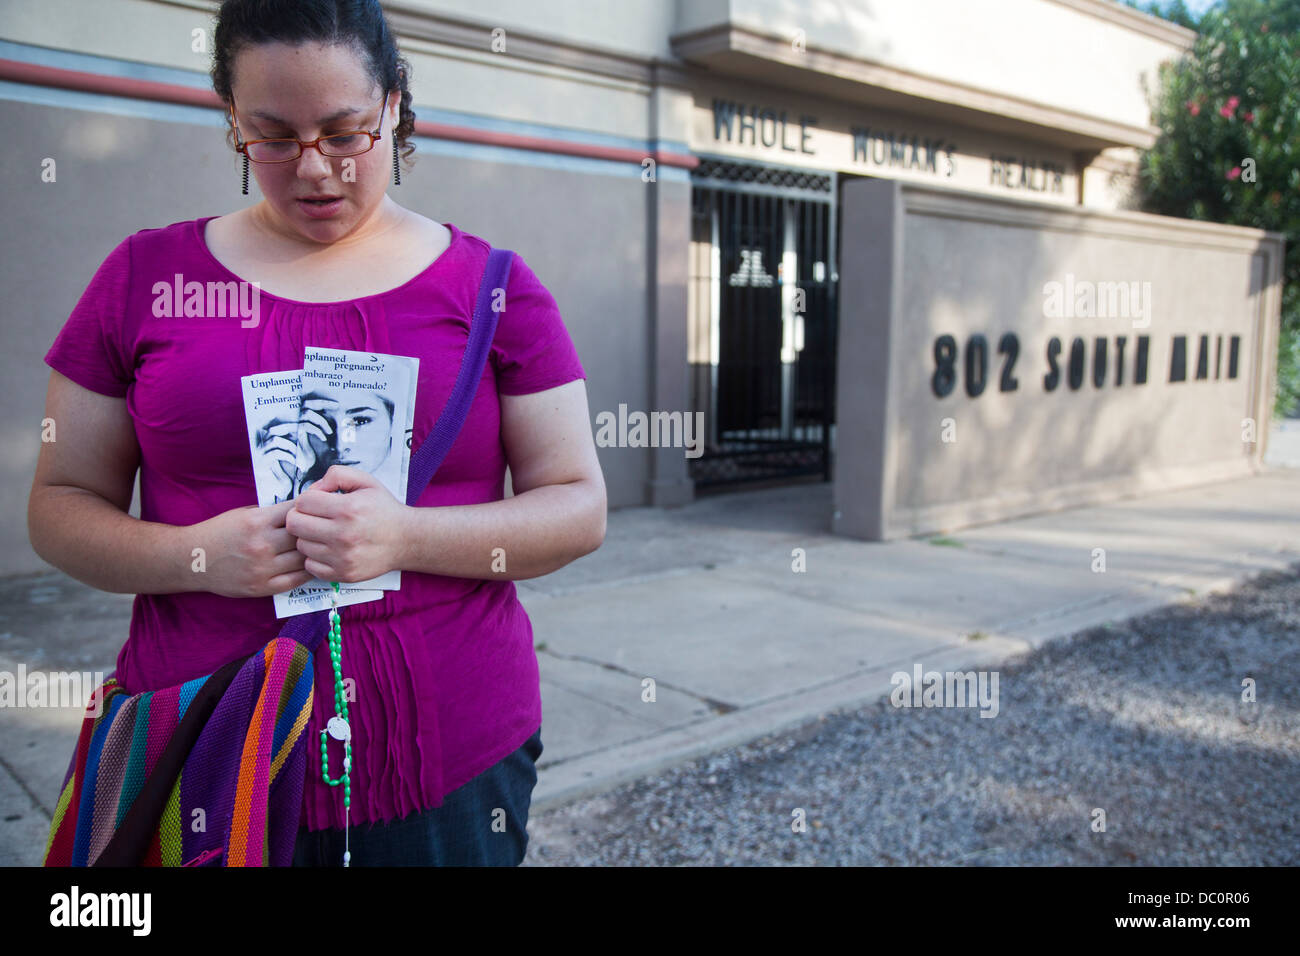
314 431
276 464
249 552
349 537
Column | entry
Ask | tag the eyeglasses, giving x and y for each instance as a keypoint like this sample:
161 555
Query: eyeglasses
286 150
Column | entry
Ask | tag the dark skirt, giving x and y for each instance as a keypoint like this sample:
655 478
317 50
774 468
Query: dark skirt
482 823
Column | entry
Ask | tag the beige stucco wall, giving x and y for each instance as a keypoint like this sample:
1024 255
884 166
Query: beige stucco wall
1111 181
636 27
1087 56
1084 55
512 88
918 263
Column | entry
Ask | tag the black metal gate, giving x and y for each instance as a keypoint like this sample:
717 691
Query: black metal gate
762 321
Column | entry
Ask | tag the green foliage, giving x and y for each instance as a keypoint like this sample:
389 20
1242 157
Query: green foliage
1235 98
1174 10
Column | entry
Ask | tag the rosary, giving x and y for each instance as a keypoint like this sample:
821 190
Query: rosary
338 726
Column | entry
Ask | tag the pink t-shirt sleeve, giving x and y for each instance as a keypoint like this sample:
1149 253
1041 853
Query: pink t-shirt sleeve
90 349
532 350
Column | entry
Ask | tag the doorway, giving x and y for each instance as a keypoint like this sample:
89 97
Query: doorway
762 321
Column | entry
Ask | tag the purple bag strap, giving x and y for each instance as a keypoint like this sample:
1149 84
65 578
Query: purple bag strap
482 328
310 629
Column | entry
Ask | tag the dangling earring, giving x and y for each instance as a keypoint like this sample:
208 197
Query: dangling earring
245 174
397 170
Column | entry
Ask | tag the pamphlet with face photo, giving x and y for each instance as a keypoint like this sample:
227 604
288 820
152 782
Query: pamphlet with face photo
271 412
359 411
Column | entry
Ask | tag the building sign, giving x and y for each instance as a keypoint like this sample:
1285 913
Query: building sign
972 367
1018 172
836 136
735 121
896 149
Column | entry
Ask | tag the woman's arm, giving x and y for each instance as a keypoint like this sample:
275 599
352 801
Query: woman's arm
556 516
77 515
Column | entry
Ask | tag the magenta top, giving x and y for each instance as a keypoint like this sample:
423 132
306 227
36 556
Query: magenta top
445 671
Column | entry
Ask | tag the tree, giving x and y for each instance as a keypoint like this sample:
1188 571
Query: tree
1174 10
1229 143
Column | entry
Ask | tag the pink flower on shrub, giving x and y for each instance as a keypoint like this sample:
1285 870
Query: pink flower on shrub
1248 117
1234 173
1193 108
1229 107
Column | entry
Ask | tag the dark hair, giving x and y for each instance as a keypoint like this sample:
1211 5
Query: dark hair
356 23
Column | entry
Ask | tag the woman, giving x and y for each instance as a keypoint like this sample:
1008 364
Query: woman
446 714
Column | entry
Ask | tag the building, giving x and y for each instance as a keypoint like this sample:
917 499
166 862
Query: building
882 242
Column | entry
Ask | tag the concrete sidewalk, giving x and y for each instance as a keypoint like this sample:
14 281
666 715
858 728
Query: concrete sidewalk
703 601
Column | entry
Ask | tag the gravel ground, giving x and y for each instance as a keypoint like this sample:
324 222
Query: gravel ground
1142 719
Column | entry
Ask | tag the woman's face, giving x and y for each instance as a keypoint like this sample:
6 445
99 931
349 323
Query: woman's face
351 427
303 92
365 431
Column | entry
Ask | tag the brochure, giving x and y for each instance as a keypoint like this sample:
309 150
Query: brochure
343 407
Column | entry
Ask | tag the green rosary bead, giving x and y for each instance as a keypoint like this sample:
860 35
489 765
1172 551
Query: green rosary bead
340 708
